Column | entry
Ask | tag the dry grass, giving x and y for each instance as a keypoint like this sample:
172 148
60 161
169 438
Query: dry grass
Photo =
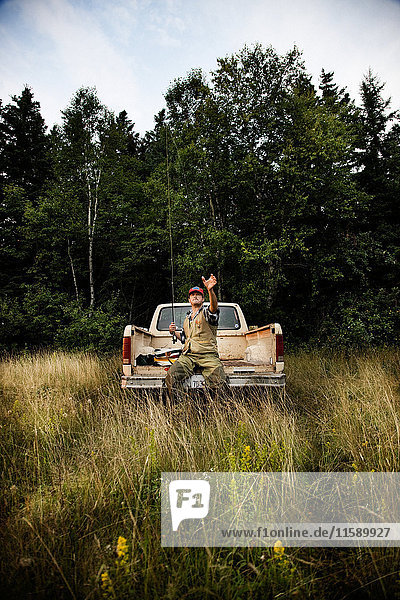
60 371
82 461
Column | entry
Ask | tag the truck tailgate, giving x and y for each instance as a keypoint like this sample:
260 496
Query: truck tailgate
240 373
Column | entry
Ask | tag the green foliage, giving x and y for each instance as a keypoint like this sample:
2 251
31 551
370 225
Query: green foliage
13 323
287 193
90 329
363 320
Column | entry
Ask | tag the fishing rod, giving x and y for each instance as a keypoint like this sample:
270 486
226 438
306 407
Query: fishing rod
174 338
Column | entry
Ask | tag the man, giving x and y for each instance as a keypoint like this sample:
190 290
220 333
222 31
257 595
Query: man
199 339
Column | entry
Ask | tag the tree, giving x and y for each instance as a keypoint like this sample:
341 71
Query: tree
374 122
24 160
84 144
24 172
227 134
330 90
378 143
378 175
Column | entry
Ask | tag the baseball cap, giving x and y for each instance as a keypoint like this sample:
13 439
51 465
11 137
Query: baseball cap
197 289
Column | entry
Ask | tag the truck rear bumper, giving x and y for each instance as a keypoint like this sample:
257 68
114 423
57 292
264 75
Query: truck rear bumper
270 380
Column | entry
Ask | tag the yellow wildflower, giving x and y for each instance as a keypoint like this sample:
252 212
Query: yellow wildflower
246 458
279 549
106 584
122 554
122 547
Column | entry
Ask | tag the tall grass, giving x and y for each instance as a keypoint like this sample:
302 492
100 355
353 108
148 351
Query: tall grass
82 462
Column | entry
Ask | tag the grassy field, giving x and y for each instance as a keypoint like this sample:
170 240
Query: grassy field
81 464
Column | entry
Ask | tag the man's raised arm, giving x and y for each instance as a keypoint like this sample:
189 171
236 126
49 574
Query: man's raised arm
209 284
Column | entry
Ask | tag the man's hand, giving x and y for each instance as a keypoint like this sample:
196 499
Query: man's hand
210 283
174 332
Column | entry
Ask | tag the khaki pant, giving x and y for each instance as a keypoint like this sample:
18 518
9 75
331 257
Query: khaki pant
209 365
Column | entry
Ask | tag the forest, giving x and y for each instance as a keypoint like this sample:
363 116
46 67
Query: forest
288 191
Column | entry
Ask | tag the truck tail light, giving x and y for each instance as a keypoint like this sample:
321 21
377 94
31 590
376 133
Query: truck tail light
279 347
126 351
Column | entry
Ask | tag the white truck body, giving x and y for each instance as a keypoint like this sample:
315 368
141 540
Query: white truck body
250 357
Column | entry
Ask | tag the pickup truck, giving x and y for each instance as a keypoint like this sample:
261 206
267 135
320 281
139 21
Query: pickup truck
250 356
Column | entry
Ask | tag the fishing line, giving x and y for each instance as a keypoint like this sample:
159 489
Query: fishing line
180 163
171 251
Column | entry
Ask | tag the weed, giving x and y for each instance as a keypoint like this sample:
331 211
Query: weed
81 462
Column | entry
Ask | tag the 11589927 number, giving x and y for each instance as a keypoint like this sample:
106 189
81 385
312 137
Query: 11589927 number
361 532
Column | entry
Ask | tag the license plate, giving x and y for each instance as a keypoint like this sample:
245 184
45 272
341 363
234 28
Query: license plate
196 384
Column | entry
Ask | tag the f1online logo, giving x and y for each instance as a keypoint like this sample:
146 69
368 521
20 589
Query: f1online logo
189 499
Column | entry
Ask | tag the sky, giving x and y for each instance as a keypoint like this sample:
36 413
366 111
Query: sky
132 50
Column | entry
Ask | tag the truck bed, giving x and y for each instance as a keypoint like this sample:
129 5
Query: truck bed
230 366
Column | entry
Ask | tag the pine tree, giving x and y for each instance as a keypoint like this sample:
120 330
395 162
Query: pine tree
374 122
331 94
24 169
24 160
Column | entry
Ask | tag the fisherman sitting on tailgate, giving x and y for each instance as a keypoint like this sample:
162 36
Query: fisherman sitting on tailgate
199 339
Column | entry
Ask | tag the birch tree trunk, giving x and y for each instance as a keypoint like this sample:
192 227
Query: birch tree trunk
93 203
73 271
